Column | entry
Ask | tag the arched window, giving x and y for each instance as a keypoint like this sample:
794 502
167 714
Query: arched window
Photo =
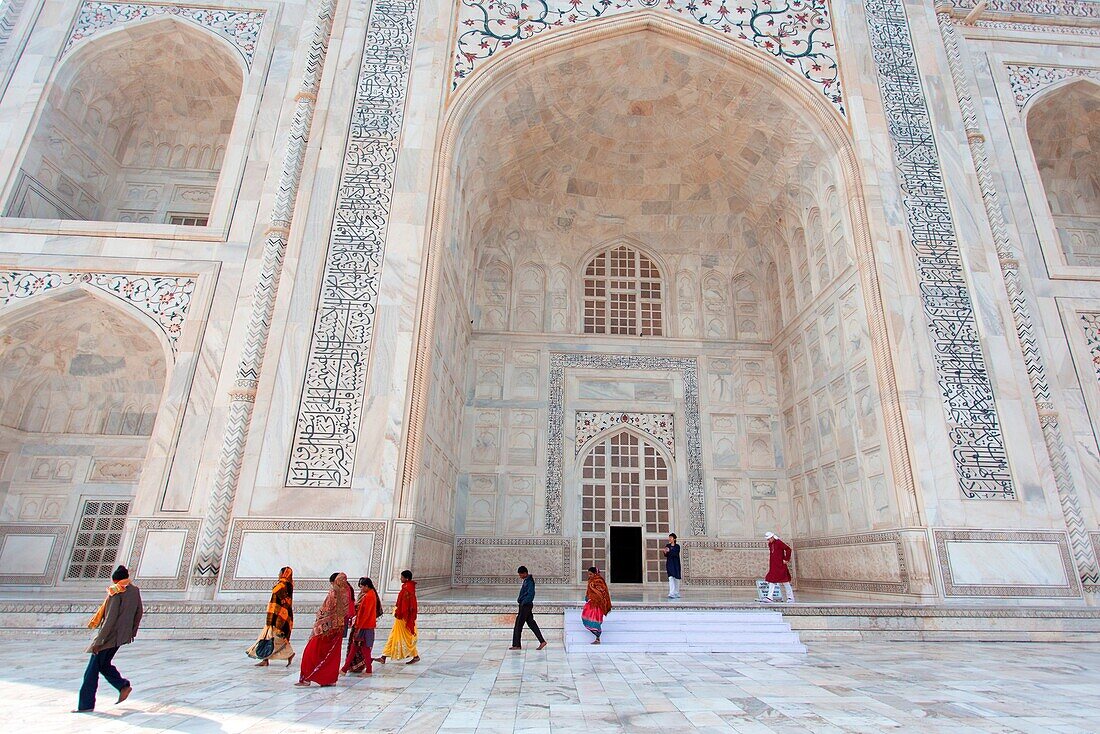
622 294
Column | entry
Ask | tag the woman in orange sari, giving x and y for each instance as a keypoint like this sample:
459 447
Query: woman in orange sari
321 658
361 640
402 641
597 604
280 622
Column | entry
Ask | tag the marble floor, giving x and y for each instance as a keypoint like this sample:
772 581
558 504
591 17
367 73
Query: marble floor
479 686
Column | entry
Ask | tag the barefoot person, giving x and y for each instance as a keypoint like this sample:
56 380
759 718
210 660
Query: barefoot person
117 620
779 571
274 640
321 658
597 604
526 610
671 552
367 611
402 641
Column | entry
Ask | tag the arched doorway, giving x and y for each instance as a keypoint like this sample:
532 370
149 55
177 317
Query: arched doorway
624 481
761 299
1063 127
134 129
81 383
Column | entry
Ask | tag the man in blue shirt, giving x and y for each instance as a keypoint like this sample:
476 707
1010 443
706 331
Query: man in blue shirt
526 605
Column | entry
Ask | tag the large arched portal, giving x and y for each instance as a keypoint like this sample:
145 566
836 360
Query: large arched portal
81 383
636 229
1064 130
134 129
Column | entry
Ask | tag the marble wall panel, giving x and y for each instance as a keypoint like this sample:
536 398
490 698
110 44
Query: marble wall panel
31 554
162 552
867 562
1015 563
724 563
314 548
495 560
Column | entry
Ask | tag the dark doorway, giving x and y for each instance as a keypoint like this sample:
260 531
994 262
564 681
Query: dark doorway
626 555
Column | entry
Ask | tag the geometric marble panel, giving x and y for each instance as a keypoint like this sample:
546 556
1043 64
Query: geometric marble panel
1021 563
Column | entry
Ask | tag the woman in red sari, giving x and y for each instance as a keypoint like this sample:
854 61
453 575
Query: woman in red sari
597 604
362 632
321 658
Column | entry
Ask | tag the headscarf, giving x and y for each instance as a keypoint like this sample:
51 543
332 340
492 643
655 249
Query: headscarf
116 588
598 593
280 611
333 614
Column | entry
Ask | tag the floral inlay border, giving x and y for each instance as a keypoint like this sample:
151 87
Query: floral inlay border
1027 80
163 298
798 33
1090 322
240 27
658 425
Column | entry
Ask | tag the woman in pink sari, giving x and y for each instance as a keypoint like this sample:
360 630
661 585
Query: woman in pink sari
321 658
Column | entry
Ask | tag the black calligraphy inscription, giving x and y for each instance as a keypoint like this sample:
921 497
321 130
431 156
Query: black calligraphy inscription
981 462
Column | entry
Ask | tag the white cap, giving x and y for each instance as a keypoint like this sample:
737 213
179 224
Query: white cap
769 535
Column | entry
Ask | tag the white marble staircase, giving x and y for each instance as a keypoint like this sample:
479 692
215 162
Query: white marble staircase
685 630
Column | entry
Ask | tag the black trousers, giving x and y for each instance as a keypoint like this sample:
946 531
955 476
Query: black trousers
525 616
99 664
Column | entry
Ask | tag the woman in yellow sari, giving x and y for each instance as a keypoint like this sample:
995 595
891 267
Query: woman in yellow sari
402 640
280 622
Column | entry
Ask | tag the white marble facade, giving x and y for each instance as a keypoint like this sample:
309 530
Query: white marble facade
457 286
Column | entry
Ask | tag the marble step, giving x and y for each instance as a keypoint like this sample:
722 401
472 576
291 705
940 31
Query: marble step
678 631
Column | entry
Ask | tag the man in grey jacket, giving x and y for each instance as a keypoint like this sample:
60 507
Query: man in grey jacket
526 606
117 620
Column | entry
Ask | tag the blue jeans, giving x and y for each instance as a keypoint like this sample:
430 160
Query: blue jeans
99 664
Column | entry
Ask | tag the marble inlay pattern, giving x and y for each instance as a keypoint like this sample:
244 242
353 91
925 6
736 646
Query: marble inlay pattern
658 425
689 369
240 27
327 430
1027 80
797 32
1067 8
163 298
478 686
981 462
1090 322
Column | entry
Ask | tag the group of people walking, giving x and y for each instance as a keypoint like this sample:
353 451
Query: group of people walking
342 614
345 615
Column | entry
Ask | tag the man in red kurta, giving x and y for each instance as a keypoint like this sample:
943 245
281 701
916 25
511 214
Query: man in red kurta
779 571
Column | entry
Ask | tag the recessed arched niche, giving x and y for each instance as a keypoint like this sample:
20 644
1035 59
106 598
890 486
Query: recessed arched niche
1063 127
134 129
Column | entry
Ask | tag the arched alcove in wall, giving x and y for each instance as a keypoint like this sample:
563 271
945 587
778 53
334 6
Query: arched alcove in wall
134 129
717 165
81 384
1063 127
